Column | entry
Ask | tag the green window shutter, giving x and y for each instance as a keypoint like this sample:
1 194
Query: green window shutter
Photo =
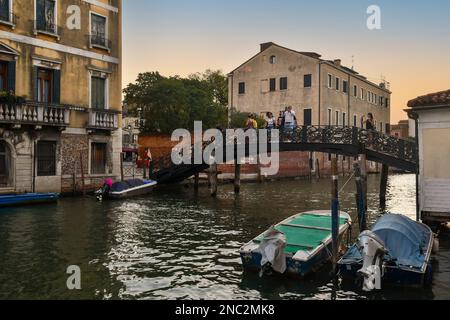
56 94
35 83
12 76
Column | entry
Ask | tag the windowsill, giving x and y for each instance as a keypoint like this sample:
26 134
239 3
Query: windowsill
98 46
8 23
46 33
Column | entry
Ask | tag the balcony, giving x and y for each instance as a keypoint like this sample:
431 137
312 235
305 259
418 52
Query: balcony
106 120
35 114
99 42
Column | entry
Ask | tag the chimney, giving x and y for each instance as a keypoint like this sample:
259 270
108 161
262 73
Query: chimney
337 62
265 46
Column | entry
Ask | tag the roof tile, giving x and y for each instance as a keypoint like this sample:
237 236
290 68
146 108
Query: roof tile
432 99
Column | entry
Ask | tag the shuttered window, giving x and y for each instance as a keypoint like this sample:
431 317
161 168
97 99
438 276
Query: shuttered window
273 84
3 76
98 30
98 96
45 15
98 158
283 83
46 158
241 87
307 80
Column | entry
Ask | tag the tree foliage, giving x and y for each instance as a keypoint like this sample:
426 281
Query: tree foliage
170 103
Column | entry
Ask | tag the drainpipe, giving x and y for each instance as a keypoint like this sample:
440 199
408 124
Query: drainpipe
349 91
419 213
320 89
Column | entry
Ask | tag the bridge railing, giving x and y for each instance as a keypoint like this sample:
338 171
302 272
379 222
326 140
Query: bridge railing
361 139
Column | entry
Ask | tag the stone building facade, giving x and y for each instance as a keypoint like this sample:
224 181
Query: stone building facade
60 101
321 92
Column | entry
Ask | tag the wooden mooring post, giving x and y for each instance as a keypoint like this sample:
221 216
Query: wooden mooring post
360 198
335 212
383 186
363 168
213 177
237 177
196 181
121 167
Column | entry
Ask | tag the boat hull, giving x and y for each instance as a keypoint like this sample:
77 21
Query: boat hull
133 192
392 275
27 199
252 262
251 258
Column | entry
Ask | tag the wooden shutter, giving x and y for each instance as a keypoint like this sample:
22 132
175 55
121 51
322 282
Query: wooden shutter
56 92
12 76
35 83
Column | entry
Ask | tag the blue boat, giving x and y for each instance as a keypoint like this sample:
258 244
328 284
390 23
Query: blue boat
297 246
397 251
27 199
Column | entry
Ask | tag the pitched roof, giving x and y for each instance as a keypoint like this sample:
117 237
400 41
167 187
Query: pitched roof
432 99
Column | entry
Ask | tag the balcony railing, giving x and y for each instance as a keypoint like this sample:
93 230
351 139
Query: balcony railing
103 120
99 41
34 113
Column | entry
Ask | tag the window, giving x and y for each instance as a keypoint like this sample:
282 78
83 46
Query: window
307 80
362 94
283 83
264 86
5 10
355 120
241 87
98 158
330 115
273 85
44 86
46 15
355 91
98 31
330 81
387 103
46 158
307 117
338 84
337 118
345 86
3 76
381 101
344 119
273 60
98 93
5 165
381 127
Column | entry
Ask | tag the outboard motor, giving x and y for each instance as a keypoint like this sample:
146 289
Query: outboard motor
104 191
373 251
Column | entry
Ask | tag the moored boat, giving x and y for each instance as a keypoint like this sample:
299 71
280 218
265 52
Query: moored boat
27 199
125 189
396 251
296 246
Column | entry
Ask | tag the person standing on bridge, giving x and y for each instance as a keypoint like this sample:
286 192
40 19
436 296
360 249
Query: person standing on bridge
370 122
289 122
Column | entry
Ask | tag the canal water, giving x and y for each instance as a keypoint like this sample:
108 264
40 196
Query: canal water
176 244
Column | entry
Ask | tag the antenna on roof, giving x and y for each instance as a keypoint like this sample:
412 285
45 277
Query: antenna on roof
353 62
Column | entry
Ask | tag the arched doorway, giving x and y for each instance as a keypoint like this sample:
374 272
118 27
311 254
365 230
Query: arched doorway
6 174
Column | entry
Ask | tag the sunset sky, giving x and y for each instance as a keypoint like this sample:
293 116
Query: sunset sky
180 37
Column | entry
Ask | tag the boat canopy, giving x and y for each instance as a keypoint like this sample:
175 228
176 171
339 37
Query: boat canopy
406 240
129 184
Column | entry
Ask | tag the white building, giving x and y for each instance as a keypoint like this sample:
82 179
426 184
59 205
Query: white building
432 113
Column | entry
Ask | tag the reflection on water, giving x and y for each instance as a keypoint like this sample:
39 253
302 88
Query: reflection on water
176 244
